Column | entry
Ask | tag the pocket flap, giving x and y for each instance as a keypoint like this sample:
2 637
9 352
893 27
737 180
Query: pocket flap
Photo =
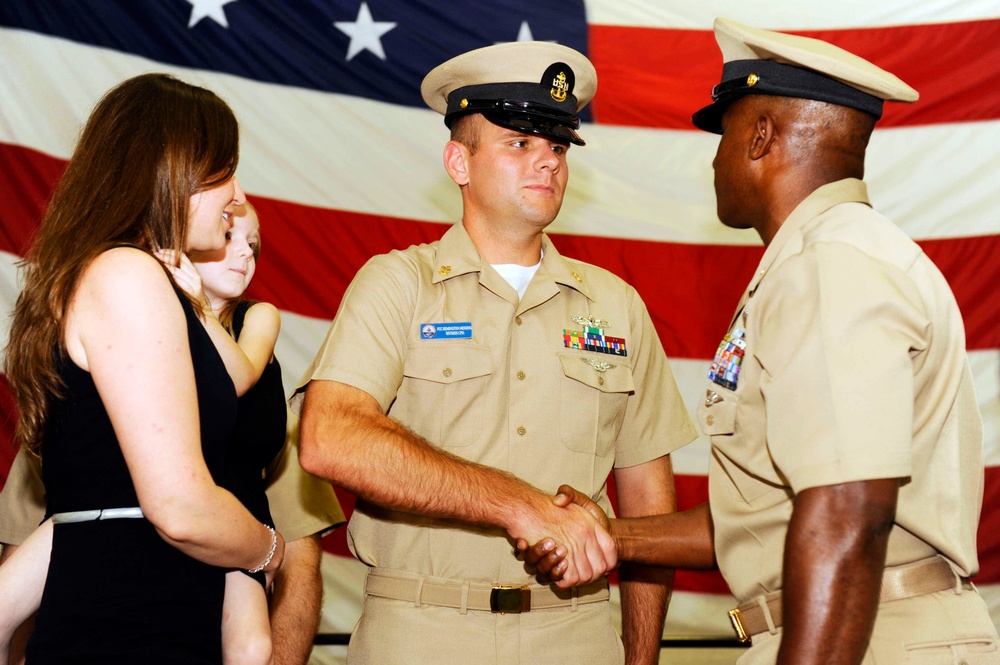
717 411
447 364
605 375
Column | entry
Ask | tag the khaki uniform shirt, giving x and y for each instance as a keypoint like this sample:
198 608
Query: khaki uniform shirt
853 368
511 395
301 504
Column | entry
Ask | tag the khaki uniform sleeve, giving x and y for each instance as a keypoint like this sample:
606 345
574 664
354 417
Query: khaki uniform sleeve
838 328
370 325
656 420
22 501
301 504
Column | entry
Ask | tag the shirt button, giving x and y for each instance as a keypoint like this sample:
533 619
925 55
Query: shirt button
521 375
521 431
447 371
517 320
600 380
710 419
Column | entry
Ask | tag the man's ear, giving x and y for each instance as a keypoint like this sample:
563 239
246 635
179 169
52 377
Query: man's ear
456 162
764 135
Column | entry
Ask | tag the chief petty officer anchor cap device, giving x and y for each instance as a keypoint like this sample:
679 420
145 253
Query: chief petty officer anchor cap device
762 62
530 87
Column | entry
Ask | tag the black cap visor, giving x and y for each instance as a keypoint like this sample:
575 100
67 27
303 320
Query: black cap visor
526 117
530 123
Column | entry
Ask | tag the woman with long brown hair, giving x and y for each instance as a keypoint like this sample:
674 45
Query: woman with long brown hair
122 393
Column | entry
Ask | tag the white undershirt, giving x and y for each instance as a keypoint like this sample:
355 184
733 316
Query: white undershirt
517 276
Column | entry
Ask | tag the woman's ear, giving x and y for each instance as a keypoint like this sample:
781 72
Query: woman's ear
456 162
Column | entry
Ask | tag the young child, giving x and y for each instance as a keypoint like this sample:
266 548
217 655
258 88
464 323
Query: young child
244 333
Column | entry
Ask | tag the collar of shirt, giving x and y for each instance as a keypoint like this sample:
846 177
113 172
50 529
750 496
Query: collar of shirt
457 255
822 199
819 201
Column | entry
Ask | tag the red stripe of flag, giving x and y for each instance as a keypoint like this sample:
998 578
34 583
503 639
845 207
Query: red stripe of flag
8 421
657 77
693 490
691 291
988 543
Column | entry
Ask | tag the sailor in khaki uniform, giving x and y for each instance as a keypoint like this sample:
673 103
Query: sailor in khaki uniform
845 431
846 473
463 380
303 507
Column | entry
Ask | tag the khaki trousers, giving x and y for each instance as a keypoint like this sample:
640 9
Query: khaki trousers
395 632
943 628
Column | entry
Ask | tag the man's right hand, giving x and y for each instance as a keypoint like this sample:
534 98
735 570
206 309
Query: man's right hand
559 557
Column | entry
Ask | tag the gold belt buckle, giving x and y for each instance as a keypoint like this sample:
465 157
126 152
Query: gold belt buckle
510 599
734 618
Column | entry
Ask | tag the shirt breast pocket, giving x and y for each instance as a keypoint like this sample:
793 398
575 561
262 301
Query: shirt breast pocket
444 392
747 467
717 412
593 397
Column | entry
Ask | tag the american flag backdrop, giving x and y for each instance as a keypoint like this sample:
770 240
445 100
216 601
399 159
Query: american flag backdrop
343 161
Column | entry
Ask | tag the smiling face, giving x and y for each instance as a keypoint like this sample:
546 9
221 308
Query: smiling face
515 177
227 273
210 215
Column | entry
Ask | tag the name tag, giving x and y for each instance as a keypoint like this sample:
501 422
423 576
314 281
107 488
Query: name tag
460 330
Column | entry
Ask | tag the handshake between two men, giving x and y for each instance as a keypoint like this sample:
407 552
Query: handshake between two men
675 540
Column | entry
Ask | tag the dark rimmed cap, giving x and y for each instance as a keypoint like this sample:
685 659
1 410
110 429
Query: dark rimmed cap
530 87
763 62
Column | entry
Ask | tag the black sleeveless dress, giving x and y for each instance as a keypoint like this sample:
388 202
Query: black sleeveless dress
116 592
259 434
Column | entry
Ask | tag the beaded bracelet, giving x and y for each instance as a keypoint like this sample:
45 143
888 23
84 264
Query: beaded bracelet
270 555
